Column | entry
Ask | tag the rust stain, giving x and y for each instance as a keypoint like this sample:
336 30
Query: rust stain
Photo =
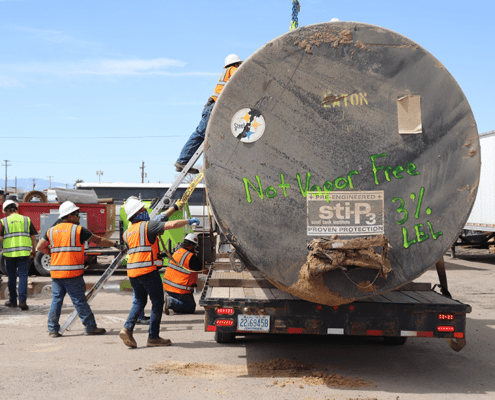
325 36
266 84
473 190
469 144
471 153
331 99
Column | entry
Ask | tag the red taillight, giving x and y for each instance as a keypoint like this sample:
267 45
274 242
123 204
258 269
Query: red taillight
225 311
335 308
372 332
445 328
295 330
319 307
459 335
224 322
211 328
446 317
351 308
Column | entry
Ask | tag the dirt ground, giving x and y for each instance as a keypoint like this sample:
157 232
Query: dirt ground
35 366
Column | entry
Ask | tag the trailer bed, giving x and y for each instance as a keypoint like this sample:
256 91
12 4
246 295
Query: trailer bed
240 303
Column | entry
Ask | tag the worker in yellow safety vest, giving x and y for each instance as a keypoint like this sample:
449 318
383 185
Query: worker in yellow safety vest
19 243
181 276
65 243
141 237
232 62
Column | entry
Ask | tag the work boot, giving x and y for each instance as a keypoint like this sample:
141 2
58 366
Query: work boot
97 331
166 307
54 334
179 167
23 306
9 304
126 335
143 321
158 342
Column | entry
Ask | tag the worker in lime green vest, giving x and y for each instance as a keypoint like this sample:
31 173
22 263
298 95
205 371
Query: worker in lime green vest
19 244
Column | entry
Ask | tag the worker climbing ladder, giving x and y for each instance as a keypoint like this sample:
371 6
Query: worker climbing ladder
166 199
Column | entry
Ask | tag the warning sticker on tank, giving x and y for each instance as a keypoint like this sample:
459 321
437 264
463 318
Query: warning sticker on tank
345 213
248 125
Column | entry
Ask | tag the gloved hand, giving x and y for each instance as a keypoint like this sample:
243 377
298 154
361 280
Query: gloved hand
180 204
161 218
121 246
193 221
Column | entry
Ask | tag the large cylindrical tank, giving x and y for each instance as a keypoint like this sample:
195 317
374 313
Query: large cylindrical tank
349 138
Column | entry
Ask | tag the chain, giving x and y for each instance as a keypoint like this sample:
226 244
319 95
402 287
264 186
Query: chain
296 7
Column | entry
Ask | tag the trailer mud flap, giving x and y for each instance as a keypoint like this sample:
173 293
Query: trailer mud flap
456 344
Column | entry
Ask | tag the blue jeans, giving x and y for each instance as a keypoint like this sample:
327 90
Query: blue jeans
181 303
197 137
17 266
144 286
76 288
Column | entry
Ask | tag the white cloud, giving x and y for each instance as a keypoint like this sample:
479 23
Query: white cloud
155 66
9 82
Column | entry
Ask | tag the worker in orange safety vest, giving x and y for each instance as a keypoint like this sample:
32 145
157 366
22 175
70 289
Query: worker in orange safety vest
65 243
141 238
181 276
232 62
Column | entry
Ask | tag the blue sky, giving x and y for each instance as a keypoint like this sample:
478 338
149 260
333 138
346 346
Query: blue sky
104 85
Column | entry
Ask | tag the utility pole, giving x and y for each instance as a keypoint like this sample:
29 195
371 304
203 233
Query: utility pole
99 173
6 165
50 179
143 175
34 183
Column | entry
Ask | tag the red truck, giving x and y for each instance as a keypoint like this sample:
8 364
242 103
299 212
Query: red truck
100 220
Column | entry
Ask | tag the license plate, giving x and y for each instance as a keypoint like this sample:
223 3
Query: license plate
253 323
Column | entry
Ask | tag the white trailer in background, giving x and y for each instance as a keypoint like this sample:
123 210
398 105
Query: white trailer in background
480 227
482 217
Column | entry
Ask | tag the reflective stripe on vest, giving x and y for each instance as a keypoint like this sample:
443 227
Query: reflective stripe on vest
67 251
141 252
224 78
16 240
178 278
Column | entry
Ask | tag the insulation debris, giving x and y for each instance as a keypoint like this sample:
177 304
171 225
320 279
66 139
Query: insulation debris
331 254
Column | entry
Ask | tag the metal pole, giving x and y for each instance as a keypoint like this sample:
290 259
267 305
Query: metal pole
6 165
142 173
50 179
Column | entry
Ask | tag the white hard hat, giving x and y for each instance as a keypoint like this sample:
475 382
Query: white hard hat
66 208
8 203
132 206
232 59
192 237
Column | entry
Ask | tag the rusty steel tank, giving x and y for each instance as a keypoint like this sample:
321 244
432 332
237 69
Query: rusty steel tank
341 160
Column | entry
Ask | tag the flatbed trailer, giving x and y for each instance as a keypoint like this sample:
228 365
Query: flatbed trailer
242 303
